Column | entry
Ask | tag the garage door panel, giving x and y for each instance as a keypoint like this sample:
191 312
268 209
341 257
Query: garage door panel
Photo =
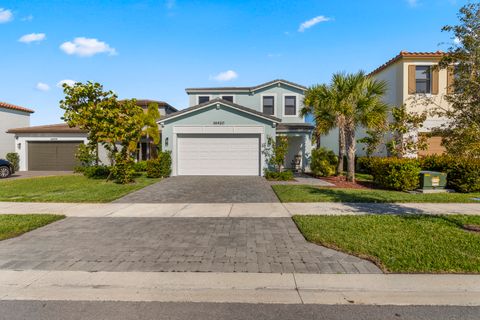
51 156
218 155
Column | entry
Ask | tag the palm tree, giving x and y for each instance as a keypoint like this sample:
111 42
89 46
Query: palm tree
321 102
363 107
348 102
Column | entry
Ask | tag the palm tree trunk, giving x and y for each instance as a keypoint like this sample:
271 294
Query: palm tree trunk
341 144
351 150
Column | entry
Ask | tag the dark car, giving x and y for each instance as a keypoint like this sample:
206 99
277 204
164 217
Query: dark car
6 169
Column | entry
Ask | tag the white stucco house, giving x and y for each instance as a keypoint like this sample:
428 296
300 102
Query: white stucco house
225 129
11 116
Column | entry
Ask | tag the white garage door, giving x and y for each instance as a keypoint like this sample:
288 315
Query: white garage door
218 155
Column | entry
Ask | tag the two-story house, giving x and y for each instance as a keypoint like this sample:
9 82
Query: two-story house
225 130
11 116
414 82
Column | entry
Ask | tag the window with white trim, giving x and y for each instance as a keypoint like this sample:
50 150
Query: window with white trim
268 103
290 106
203 99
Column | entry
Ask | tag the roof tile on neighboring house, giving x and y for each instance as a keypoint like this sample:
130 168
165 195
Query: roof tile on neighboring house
225 102
14 107
248 89
49 128
294 127
145 102
406 54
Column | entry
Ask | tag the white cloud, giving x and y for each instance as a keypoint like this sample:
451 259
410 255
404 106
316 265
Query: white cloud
32 37
68 82
274 55
456 41
225 76
412 3
86 47
310 23
5 15
42 86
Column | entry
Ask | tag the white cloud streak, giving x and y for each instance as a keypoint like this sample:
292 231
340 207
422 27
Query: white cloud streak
310 23
412 3
68 82
32 37
87 47
228 75
5 15
42 86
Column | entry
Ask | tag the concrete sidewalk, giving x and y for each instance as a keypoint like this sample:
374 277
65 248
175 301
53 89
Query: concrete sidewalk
234 209
287 288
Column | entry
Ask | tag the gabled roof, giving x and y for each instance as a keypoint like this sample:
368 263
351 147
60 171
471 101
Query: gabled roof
223 102
49 128
246 89
14 107
161 104
406 54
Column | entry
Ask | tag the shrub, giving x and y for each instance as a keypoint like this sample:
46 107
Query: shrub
79 169
86 154
278 176
95 172
123 171
323 162
463 174
140 166
364 164
14 159
396 174
160 167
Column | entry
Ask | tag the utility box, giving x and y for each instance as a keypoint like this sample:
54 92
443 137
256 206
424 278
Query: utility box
432 180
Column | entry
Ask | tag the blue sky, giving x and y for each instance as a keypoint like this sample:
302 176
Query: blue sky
155 49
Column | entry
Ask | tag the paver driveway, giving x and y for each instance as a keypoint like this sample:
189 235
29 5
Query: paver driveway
175 244
204 189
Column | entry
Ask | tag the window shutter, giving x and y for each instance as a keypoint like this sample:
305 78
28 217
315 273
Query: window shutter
450 79
412 86
435 81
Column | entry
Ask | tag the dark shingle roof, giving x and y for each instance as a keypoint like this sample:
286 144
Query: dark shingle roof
49 128
225 102
247 89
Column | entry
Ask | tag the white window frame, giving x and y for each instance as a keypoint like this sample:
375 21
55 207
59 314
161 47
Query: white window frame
275 105
204 95
297 106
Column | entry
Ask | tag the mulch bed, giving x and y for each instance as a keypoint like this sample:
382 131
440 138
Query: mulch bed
341 182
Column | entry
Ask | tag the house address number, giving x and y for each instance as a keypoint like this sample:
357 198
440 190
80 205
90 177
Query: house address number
218 123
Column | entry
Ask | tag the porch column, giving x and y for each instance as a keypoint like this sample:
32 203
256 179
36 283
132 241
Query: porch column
306 151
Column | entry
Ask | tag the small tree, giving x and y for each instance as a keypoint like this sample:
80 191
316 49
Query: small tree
86 155
14 159
372 140
151 131
404 128
275 152
462 131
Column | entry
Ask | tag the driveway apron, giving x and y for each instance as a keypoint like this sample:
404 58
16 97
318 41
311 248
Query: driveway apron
205 189
270 245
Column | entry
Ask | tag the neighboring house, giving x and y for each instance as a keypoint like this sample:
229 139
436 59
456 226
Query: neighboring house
11 116
225 129
52 147
413 82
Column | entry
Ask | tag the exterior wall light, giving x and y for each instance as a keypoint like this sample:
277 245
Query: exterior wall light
166 142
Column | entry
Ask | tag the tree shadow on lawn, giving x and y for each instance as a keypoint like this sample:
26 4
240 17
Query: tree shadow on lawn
365 201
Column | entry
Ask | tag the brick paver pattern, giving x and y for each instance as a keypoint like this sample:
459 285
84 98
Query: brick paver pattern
175 244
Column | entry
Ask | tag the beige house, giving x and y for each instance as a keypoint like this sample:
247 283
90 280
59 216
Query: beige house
412 81
415 82
11 116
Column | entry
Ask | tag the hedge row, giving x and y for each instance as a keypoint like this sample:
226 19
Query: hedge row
463 175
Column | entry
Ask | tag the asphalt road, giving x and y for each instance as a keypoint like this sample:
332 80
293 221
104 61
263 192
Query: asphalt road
67 310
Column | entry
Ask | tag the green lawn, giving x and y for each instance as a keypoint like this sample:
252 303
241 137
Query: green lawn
304 193
407 244
72 188
13 225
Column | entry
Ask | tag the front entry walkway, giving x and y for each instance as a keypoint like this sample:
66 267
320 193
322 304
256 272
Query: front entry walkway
205 189
267 245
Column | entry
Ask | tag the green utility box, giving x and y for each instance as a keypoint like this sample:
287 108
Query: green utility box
432 180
